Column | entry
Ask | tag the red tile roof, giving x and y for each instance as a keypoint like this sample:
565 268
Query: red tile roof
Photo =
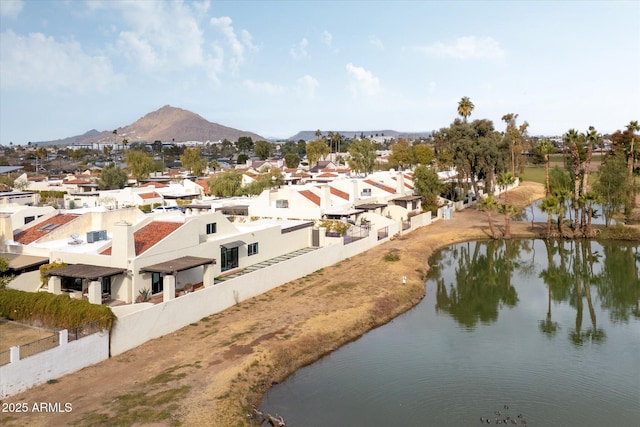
152 195
154 184
380 186
40 230
327 175
311 196
76 181
204 183
339 193
150 234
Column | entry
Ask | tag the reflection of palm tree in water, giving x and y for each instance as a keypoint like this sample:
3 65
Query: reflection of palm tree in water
548 326
584 260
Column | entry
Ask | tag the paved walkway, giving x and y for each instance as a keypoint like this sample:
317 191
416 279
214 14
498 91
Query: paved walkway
266 263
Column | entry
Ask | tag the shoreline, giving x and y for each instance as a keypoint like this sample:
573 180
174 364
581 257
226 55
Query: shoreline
213 371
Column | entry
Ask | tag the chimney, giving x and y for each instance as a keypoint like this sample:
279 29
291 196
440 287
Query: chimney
354 191
325 197
400 183
123 245
6 231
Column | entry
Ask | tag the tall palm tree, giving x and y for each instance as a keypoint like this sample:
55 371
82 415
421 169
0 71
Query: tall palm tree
489 204
506 179
572 137
545 147
465 107
549 205
632 127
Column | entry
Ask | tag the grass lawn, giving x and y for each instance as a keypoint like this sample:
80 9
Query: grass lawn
533 174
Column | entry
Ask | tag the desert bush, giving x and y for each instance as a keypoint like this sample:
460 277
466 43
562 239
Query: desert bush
52 311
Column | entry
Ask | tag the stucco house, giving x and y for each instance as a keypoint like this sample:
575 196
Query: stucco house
120 254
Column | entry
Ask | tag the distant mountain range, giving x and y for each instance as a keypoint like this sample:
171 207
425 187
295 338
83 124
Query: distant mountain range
175 124
166 124
308 135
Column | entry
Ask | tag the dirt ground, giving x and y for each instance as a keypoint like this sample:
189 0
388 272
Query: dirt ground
204 373
12 333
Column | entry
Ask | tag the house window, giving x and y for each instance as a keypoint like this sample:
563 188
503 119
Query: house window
72 283
106 285
252 249
228 258
28 219
282 203
212 228
156 283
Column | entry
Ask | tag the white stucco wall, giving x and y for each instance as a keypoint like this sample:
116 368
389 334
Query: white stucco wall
54 363
167 317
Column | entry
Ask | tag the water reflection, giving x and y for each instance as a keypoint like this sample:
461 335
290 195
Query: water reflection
549 328
481 284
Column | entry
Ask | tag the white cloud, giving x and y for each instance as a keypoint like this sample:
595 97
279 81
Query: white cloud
223 24
263 87
432 87
160 35
10 8
300 50
362 81
469 47
376 42
38 62
306 86
327 38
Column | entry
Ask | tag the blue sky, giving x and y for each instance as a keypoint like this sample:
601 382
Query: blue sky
278 67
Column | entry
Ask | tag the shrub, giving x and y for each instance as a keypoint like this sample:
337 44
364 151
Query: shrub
391 256
44 269
52 311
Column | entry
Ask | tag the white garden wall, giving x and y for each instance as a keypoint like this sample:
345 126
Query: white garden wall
67 357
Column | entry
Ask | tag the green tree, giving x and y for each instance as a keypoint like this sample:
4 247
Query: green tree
242 159
316 150
192 160
613 186
363 156
263 149
401 154
226 184
213 164
140 164
632 128
424 154
427 185
465 107
302 148
244 144
515 137
288 147
112 178
292 160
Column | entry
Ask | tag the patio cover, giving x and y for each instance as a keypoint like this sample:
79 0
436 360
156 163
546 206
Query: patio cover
407 198
178 264
85 271
20 261
234 244
371 206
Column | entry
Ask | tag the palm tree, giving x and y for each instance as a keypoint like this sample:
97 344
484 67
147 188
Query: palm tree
632 127
506 179
549 205
545 147
465 107
573 137
489 204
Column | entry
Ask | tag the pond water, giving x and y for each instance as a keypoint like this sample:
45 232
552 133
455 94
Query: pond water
545 333
533 213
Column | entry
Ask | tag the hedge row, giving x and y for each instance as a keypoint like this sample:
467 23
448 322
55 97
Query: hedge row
52 311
